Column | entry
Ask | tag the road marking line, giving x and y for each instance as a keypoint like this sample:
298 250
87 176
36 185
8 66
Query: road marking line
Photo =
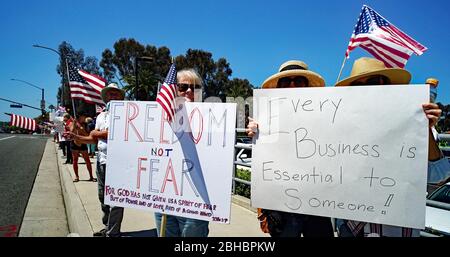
7 138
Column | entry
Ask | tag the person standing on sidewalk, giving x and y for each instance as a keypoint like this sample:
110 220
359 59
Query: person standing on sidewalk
189 86
78 127
291 74
112 215
66 141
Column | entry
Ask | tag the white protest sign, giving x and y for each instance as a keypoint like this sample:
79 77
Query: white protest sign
58 124
358 153
187 173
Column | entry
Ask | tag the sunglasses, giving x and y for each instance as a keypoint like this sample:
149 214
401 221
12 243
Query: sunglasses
299 81
184 87
372 80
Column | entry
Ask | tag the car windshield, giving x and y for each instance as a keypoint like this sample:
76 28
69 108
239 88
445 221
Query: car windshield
442 194
244 140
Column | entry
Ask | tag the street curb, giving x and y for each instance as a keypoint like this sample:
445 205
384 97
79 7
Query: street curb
243 202
77 217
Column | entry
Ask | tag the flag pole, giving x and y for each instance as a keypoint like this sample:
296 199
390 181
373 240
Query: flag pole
68 82
342 68
164 216
163 225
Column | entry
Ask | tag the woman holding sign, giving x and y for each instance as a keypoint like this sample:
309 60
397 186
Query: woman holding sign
189 86
292 74
370 71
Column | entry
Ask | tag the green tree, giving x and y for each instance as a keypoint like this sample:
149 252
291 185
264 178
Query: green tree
77 59
125 58
239 88
444 123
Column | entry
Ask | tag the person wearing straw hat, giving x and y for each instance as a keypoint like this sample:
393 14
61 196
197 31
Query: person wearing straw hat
112 215
291 74
370 71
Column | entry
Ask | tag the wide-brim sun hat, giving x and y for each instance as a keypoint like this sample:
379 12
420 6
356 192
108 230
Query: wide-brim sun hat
112 86
365 67
294 68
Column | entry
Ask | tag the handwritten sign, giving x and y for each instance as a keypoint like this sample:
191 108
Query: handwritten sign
357 153
183 170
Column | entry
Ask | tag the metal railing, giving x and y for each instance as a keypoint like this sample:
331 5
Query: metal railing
237 148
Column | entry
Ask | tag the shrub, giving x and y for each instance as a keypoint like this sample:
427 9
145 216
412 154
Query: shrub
240 188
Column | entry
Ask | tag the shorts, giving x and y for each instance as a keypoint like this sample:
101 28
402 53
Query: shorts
75 147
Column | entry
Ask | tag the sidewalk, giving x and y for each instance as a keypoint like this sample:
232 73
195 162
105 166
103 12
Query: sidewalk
84 213
50 221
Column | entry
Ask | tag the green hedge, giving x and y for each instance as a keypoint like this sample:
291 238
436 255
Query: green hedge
240 188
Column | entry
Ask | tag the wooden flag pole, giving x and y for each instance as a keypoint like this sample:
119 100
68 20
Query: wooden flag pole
342 68
163 225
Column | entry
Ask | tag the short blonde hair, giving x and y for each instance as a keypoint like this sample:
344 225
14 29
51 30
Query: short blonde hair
191 75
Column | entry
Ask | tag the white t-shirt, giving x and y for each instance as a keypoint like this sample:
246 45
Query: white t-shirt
101 124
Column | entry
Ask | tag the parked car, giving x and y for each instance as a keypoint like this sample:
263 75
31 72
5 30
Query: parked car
244 140
437 219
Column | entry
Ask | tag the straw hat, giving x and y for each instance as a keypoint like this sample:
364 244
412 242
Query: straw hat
364 67
112 86
294 68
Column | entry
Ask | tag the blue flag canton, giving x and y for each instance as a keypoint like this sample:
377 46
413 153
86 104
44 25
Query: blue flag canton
368 21
74 75
171 76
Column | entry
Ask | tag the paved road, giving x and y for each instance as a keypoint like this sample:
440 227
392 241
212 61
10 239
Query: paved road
20 156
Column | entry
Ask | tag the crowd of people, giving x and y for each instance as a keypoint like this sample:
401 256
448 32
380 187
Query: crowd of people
83 135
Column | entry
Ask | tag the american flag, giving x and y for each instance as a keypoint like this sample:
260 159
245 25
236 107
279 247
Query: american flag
383 40
86 86
167 93
23 122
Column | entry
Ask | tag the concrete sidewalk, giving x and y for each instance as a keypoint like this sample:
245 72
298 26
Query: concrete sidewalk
45 214
84 213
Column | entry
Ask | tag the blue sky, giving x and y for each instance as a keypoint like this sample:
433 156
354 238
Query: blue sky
254 36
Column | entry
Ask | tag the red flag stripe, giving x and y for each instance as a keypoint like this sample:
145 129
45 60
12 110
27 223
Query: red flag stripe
166 103
388 46
164 99
87 99
97 83
86 89
23 122
414 46
385 55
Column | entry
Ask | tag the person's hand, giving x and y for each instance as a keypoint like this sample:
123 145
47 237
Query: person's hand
433 113
73 135
252 128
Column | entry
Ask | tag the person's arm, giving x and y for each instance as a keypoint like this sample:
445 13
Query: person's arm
100 134
92 138
434 153
433 113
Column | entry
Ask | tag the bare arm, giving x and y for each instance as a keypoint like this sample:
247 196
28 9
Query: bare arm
92 138
433 113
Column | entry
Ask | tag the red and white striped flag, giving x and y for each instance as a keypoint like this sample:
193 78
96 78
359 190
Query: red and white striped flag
383 40
23 122
86 86
167 93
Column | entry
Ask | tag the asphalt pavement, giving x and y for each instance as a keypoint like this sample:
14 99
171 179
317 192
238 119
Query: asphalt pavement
20 156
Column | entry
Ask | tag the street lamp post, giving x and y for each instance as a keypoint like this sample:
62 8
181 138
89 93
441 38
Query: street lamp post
61 56
136 68
42 90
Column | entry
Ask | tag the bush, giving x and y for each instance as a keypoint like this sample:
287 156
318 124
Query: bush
240 188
